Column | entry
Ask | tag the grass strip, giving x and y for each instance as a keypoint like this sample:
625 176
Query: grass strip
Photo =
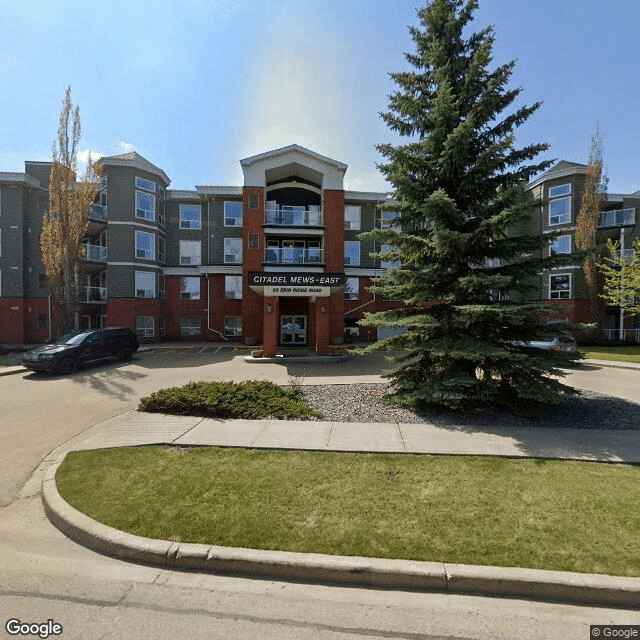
617 354
571 516
252 399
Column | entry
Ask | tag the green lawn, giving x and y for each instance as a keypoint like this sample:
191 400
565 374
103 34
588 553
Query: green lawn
619 354
572 516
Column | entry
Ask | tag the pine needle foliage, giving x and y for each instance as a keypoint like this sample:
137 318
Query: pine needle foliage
65 223
469 277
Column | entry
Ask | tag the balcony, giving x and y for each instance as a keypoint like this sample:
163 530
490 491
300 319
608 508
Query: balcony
97 212
94 253
293 216
293 255
94 294
617 218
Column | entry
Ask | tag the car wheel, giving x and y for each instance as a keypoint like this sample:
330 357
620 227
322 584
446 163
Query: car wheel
68 365
126 354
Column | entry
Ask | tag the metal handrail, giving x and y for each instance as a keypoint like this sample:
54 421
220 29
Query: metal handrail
293 216
293 255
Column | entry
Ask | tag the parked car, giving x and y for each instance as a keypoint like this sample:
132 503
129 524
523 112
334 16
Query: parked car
82 347
563 342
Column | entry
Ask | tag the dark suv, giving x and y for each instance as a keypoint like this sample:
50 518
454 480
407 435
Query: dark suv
82 347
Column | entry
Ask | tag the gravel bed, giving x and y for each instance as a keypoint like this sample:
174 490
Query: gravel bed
361 403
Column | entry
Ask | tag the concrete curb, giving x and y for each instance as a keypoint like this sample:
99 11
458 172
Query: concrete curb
298 359
9 371
561 586
611 364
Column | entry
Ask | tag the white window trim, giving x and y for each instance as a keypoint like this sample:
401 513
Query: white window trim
562 253
353 295
182 257
554 275
237 257
232 331
152 218
237 293
191 330
554 224
144 332
352 242
187 295
560 186
143 188
224 213
146 291
153 250
191 224
353 225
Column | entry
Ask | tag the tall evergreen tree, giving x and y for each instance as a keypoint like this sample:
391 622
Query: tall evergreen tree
469 275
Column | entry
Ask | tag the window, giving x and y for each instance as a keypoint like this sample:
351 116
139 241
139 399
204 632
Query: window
161 212
233 214
560 211
352 217
161 290
145 206
233 287
254 241
560 190
190 326
145 245
190 288
254 201
562 244
42 321
352 289
560 286
190 252
42 281
233 250
233 326
352 252
144 326
190 216
145 284
390 220
388 264
147 185
161 249
162 326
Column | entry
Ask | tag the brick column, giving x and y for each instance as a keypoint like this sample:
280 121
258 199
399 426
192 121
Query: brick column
252 221
271 327
322 326
334 258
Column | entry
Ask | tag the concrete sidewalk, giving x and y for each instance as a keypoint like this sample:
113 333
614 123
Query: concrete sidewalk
138 428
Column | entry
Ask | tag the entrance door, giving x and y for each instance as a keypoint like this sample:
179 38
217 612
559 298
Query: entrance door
293 329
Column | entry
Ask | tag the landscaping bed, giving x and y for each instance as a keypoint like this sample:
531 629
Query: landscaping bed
572 516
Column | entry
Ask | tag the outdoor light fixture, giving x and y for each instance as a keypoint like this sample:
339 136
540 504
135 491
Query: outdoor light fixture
268 308
322 308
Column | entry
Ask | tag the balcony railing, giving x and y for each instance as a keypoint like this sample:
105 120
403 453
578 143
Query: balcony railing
98 212
95 294
293 255
293 216
618 218
94 253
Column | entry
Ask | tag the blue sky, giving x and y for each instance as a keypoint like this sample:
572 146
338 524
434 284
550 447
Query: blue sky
195 85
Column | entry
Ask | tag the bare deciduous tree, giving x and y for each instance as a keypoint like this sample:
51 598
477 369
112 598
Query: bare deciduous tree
65 223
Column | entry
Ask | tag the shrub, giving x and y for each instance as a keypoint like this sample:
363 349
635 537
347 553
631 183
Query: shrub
251 399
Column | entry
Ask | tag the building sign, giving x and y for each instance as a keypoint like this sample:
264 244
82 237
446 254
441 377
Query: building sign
296 284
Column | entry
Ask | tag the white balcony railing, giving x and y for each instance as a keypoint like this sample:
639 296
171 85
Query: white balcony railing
618 218
293 216
95 294
94 253
629 334
97 212
293 255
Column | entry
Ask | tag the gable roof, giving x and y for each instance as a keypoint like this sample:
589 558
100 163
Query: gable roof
288 149
559 170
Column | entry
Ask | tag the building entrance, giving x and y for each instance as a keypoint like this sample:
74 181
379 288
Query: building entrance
293 330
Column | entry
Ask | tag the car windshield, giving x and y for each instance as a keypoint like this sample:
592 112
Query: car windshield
73 338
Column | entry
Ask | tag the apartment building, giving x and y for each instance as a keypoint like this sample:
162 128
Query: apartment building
276 261
563 186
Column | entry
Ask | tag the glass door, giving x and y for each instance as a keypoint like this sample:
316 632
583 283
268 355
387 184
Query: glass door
293 330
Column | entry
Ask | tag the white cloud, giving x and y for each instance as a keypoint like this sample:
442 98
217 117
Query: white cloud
125 147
